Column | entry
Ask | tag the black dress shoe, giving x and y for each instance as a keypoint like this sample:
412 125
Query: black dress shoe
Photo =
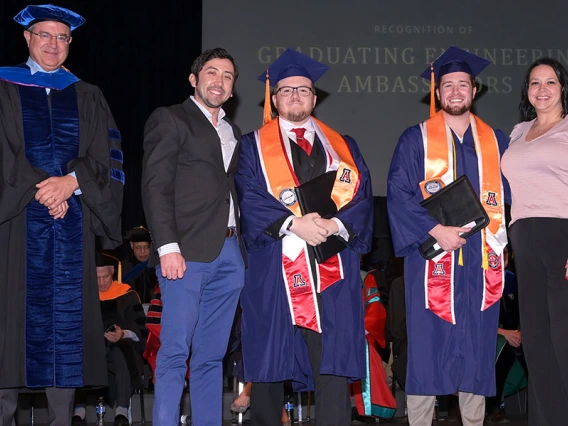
121 420
78 421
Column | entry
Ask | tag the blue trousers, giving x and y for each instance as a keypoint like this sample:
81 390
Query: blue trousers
197 315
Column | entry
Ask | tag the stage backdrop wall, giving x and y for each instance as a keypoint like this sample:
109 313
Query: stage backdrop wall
377 50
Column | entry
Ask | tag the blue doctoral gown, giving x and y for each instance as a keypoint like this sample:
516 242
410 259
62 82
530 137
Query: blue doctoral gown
442 358
272 351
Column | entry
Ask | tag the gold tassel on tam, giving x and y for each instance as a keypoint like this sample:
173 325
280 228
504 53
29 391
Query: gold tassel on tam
119 267
267 118
432 90
460 257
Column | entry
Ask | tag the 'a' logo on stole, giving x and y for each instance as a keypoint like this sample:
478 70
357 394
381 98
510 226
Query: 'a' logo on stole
345 176
491 199
438 269
298 280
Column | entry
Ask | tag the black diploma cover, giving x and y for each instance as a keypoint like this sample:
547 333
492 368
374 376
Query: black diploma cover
314 196
455 205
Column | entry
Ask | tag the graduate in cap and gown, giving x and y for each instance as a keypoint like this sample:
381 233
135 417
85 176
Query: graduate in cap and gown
301 321
61 184
452 300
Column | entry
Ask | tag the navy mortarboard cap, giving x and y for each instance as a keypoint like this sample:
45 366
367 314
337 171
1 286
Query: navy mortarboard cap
105 259
452 60
48 12
456 60
292 64
138 234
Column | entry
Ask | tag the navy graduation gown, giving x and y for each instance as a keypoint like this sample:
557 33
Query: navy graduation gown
272 351
442 358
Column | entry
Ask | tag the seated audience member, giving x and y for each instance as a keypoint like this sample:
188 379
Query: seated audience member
372 394
510 366
136 271
125 338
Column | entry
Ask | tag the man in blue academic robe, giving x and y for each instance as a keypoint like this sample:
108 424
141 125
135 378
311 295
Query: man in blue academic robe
302 320
451 308
61 184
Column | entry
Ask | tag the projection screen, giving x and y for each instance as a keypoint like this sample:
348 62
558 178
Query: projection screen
377 50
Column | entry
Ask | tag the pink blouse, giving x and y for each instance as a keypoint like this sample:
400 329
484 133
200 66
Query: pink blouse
538 172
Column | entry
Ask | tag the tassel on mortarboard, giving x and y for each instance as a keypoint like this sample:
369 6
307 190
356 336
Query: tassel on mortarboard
289 64
105 259
452 60
267 118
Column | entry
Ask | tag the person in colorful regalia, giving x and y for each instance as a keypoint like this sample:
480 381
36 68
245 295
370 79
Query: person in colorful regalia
452 300
373 396
301 321
61 185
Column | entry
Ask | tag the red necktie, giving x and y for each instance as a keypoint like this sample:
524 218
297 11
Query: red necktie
302 141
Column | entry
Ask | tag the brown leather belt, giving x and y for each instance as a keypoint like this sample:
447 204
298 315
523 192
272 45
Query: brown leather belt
230 232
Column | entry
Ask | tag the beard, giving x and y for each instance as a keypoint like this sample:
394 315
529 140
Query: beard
456 111
297 116
297 112
208 102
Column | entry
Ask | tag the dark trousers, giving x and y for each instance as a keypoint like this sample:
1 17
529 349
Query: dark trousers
59 405
506 359
541 249
120 388
332 397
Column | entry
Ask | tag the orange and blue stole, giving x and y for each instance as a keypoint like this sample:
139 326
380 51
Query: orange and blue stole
281 180
439 171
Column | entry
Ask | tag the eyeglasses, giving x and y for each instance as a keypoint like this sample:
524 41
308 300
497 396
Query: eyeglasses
61 38
287 91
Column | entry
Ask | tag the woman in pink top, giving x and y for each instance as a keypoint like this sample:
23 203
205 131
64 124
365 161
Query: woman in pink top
536 166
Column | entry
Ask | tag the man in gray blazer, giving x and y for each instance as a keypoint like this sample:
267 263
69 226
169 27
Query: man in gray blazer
191 153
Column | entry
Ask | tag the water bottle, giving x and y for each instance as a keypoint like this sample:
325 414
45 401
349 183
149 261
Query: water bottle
101 412
289 407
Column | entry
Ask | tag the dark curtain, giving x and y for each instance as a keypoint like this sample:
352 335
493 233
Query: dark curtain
138 52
